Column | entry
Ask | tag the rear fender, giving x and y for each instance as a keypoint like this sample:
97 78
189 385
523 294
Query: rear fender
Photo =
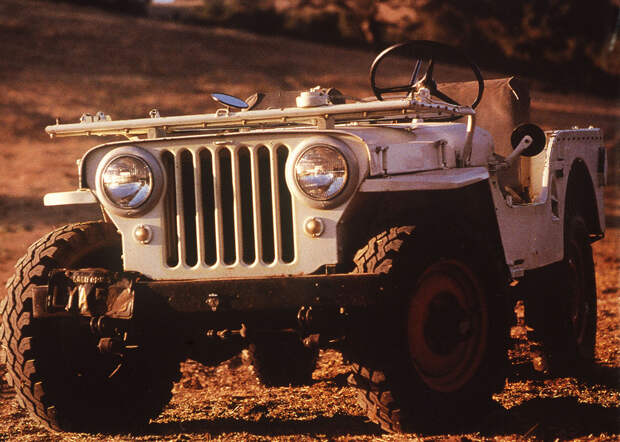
582 198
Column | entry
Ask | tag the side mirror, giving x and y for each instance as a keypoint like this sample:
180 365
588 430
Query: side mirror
230 101
528 140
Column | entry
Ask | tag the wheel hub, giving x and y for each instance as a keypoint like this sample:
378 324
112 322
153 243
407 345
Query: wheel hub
447 325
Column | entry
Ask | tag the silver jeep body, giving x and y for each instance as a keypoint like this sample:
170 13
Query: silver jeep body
225 203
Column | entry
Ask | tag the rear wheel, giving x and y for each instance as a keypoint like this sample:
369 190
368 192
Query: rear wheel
562 308
58 373
438 345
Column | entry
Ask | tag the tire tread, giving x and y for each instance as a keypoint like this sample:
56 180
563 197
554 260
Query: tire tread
18 336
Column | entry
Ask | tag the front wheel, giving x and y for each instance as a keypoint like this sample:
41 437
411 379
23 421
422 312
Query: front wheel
54 365
438 346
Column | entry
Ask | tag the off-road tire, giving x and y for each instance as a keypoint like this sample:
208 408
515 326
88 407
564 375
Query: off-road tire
391 390
561 304
281 359
53 364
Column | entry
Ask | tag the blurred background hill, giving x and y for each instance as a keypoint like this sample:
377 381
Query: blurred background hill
570 44
567 44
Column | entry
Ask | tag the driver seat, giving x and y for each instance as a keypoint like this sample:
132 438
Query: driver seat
505 105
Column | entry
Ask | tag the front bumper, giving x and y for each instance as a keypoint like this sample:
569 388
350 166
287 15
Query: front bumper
125 296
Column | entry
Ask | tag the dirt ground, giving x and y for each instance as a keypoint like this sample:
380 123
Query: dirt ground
60 61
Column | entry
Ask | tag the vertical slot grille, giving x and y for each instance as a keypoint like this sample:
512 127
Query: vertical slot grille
227 205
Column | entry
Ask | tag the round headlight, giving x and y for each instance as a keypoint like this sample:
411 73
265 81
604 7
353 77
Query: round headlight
321 172
127 182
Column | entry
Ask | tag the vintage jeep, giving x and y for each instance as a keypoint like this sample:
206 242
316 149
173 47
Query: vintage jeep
399 230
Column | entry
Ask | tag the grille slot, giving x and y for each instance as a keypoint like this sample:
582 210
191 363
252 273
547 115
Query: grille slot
207 215
286 209
189 207
247 205
266 206
227 205
170 201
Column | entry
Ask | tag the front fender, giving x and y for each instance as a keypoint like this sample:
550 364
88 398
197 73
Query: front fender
442 179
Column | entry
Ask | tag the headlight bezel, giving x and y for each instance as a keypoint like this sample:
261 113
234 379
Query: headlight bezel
157 180
350 161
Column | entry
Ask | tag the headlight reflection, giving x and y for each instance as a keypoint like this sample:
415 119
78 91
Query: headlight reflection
321 172
127 182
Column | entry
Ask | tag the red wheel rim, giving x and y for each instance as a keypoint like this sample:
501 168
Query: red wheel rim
447 325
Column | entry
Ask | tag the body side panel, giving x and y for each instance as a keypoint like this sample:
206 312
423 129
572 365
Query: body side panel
533 232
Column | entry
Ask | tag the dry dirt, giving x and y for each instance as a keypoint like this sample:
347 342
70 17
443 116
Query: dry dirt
61 61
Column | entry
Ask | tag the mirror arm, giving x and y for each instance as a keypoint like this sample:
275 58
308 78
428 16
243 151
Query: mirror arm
505 163
523 144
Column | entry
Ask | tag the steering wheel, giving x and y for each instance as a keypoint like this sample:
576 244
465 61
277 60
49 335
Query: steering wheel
421 51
